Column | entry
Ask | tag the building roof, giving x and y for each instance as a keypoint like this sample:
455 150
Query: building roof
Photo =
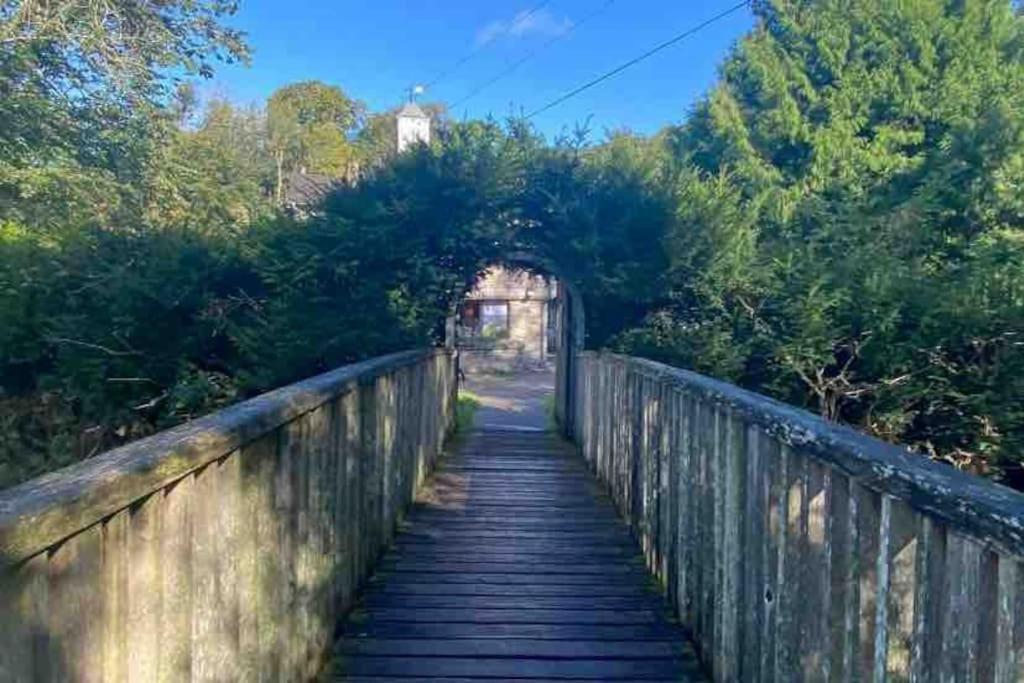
412 110
307 189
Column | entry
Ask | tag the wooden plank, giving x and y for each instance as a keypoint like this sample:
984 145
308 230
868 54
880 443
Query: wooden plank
470 595
176 579
1009 654
755 531
516 648
271 571
930 600
145 608
872 527
24 607
395 585
214 575
75 599
841 578
41 512
445 667
993 517
256 546
732 604
773 487
961 618
903 547
614 576
286 522
115 597
359 626
814 574
577 602
353 500
789 534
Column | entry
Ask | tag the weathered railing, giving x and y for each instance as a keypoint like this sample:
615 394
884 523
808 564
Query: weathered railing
797 549
223 549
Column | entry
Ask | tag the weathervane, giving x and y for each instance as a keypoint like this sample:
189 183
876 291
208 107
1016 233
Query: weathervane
416 90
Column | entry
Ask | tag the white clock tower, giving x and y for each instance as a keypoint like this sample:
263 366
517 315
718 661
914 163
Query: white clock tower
413 124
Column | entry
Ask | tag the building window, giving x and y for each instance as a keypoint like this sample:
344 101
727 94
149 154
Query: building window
494 319
484 319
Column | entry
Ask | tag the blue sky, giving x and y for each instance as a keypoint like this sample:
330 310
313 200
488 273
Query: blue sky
376 50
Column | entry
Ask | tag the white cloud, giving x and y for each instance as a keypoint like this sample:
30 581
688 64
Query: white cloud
526 23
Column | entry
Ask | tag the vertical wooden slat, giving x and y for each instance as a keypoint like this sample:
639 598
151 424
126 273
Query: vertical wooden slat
237 570
176 548
315 630
115 597
353 500
814 574
256 547
842 577
76 581
868 518
1007 654
929 602
733 492
270 529
707 564
686 487
672 460
960 624
773 487
287 503
144 597
883 566
903 545
988 616
214 575
754 532
24 636
792 531
371 475
297 438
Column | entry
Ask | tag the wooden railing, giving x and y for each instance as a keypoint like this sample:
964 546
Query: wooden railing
798 549
223 549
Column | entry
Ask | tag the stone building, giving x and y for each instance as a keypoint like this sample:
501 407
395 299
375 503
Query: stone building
508 322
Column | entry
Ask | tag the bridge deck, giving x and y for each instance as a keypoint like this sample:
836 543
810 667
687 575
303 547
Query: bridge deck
513 566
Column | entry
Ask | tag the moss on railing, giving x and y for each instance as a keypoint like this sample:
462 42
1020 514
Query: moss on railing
224 549
799 549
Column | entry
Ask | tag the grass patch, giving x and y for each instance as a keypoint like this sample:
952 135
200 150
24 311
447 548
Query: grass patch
549 412
465 411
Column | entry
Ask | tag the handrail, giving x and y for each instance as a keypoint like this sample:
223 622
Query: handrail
40 512
991 513
225 548
796 548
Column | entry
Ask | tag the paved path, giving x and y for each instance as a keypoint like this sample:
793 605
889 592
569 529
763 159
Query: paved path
519 401
513 566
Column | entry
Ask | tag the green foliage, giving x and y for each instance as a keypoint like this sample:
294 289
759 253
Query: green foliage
465 411
839 224
848 232
307 126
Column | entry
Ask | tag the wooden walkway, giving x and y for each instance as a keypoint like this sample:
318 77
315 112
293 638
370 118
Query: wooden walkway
514 566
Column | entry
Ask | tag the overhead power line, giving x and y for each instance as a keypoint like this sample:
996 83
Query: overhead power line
479 48
530 55
636 60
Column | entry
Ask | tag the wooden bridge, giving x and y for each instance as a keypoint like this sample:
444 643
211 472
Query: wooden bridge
685 529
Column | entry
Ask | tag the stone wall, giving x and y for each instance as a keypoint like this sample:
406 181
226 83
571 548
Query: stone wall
525 346
224 549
